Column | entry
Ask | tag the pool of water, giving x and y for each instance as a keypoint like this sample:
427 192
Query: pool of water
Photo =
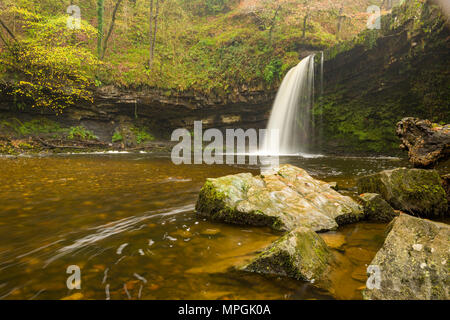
128 222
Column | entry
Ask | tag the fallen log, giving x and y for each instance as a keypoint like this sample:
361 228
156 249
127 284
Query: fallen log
426 143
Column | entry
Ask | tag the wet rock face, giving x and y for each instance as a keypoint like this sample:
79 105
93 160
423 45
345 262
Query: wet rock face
426 143
376 208
300 254
414 261
160 110
287 199
126 133
416 191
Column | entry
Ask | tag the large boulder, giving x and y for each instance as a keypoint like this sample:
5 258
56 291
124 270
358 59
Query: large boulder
284 200
426 143
376 208
300 254
417 191
413 263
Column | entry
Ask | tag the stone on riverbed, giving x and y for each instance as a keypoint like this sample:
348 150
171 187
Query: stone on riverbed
300 254
414 261
376 208
417 191
284 200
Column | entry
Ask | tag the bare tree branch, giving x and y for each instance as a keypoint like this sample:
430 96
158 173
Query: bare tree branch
111 27
151 35
152 44
8 30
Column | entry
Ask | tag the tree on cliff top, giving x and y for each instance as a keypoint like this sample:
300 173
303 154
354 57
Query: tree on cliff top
53 65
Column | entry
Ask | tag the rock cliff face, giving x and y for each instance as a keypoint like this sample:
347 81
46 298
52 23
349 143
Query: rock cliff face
383 76
369 85
158 110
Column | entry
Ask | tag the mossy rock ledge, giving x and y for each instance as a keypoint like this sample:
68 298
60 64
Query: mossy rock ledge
413 263
415 191
283 200
300 254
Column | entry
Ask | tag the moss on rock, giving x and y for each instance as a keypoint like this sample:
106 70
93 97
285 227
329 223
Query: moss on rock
414 262
284 200
376 208
300 254
416 191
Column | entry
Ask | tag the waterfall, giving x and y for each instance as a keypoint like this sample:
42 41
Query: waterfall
321 74
292 112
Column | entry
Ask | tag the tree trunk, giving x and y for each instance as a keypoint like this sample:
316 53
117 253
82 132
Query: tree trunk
5 41
100 11
305 20
111 27
155 30
339 25
272 25
150 35
8 30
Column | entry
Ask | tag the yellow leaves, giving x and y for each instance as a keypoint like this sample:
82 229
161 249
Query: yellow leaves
21 83
54 77
75 296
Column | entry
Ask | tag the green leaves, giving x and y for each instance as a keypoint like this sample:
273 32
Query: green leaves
273 71
80 133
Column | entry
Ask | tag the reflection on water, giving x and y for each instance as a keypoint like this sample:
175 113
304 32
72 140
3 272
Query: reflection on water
128 221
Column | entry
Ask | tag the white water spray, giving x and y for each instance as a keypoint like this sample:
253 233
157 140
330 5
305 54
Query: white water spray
292 112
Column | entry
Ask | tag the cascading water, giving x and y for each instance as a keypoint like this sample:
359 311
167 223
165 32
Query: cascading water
292 112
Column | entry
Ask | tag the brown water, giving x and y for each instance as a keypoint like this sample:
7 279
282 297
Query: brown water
128 222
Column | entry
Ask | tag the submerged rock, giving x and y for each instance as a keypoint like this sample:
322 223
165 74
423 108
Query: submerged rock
414 261
284 200
300 254
426 143
376 208
417 191
334 240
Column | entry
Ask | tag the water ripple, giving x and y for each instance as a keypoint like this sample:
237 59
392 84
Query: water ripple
113 228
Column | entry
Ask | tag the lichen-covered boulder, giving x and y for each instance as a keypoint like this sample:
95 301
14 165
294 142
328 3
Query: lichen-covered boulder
284 200
376 208
300 254
413 263
417 191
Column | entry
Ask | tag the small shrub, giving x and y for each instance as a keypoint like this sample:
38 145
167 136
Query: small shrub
80 133
273 71
117 137
142 135
33 127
